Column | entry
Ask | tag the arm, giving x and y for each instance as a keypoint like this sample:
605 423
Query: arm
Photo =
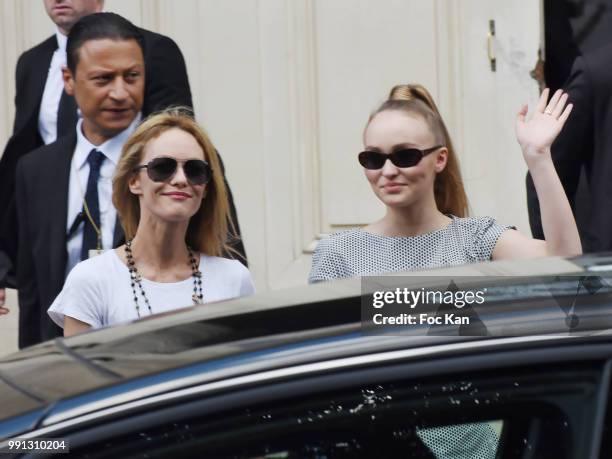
166 83
8 163
573 146
535 137
21 74
74 326
8 239
82 303
29 307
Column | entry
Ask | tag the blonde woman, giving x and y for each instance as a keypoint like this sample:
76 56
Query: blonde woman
172 202
412 168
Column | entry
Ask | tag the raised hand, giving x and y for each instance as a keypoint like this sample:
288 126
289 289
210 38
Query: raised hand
537 135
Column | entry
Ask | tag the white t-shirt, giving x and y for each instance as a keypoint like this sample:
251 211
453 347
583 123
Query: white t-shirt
98 291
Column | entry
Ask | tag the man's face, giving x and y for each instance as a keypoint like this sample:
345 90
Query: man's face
65 13
108 86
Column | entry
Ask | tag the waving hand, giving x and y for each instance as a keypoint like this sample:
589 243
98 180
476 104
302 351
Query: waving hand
537 134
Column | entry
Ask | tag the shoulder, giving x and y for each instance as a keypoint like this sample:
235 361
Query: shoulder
228 278
591 69
341 240
153 40
93 269
329 260
479 227
335 248
89 277
33 54
226 266
598 57
472 224
49 154
480 234
86 294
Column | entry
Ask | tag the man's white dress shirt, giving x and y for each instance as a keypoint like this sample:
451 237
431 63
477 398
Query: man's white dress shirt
79 173
49 105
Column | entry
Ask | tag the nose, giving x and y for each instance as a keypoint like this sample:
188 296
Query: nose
179 179
118 90
389 169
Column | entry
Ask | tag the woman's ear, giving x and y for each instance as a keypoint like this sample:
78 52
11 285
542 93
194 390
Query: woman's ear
134 184
441 159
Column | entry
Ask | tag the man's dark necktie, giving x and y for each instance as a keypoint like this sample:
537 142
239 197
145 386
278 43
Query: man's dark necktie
66 115
90 236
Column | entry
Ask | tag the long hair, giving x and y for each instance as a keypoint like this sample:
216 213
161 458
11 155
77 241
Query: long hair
449 192
208 227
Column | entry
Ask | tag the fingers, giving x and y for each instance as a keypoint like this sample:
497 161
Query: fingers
554 100
558 109
520 116
4 311
542 102
566 113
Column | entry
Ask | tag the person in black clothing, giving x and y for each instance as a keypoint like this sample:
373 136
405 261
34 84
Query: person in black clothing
584 148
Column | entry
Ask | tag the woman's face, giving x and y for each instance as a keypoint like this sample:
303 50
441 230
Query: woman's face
175 199
390 131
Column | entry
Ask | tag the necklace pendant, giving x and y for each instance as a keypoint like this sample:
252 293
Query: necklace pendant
195 299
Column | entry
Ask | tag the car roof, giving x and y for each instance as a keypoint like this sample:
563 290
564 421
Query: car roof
271 330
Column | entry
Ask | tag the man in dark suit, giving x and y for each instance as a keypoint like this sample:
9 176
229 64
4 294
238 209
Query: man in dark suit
64 189
45 112
582 153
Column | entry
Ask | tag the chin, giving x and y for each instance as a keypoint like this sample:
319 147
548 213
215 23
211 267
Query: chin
396 200
398 204
176 216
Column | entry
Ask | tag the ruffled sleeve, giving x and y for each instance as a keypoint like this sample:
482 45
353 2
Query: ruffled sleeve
327 264
487 233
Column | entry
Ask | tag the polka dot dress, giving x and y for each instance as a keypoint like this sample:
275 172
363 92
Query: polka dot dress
465 240
358 253
461 441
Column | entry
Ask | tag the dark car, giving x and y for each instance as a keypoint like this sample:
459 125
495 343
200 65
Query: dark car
305 373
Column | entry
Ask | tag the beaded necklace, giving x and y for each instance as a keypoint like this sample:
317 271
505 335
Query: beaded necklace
136 279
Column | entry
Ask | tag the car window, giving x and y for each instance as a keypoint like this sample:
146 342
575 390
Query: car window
536 412
606 437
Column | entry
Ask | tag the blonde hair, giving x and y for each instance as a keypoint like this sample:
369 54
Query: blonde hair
208 227
448 186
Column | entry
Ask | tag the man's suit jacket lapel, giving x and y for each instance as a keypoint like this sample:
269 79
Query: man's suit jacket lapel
59 183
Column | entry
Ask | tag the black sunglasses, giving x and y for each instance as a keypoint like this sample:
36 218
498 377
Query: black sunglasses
406 157
197 171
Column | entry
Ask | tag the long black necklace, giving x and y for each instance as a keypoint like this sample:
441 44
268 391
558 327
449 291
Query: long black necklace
136 279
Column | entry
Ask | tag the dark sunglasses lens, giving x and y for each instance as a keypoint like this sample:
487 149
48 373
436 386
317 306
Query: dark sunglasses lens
406 158
161 169
197 171
372 159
